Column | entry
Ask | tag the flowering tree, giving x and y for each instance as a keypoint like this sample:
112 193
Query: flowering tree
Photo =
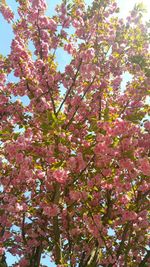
74 178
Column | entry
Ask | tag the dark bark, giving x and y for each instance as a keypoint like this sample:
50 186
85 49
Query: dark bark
3 262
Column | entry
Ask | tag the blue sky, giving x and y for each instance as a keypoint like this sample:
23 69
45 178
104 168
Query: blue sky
7 35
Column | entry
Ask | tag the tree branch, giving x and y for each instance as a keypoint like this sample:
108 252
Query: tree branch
69 90
122 240
57 239
3 262
78 104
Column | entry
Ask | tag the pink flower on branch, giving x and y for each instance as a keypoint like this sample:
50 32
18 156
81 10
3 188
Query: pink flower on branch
60 176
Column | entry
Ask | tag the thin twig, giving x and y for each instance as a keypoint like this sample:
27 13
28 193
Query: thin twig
79 104
69 90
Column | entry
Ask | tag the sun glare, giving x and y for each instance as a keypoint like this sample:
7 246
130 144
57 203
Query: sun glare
147 3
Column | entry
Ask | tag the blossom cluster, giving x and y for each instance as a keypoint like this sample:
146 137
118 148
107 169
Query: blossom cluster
75 160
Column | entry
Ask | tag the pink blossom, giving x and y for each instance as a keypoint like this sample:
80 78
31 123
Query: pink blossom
147 125
51 211
145 166
40 174
39 4
68 48
52 25
23 263
72 163
6 12
81 162
75 195
18 207
2 250
60 175
129 215
79 165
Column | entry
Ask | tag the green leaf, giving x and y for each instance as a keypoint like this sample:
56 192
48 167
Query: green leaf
16 135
